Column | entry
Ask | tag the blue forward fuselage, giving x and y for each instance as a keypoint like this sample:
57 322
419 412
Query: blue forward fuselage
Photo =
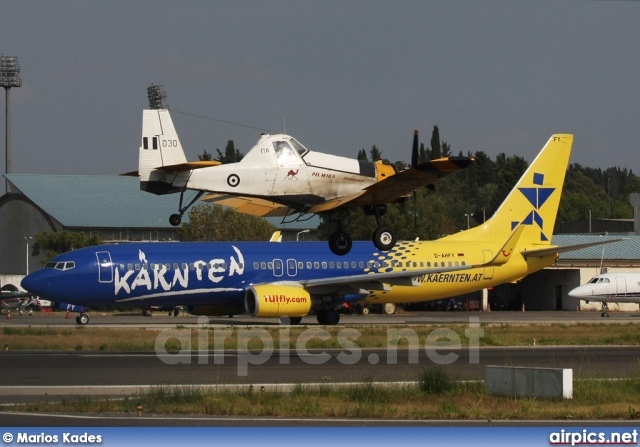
169 274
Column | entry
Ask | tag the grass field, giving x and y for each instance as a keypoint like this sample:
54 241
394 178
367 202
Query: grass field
231 338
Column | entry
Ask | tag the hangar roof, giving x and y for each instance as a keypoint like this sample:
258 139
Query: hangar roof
107 201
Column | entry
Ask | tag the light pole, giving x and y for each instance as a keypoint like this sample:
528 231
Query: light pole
300 232
26 238
468 216
9 77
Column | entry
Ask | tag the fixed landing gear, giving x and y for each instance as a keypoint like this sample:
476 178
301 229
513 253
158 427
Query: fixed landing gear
605 310
176 219
82 319
340 243
328 317
384 238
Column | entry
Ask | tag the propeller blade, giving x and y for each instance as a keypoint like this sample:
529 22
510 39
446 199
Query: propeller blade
414 150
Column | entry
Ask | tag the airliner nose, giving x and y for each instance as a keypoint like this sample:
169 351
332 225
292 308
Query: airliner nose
35 283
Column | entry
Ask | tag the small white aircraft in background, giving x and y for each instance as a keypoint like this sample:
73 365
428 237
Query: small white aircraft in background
281 177
17 300
612 287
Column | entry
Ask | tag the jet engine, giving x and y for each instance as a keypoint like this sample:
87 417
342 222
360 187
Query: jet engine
273 300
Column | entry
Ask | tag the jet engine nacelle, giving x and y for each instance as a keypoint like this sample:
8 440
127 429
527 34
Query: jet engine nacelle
277 301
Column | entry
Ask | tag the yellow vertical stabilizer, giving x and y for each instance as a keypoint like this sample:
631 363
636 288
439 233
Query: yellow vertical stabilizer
533 202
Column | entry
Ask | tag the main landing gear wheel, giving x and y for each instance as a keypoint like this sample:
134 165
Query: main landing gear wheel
82 319
328 317
383 238
340 243
175 219
290 321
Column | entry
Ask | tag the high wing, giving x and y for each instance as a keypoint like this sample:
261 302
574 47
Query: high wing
386 191
249 205
399 185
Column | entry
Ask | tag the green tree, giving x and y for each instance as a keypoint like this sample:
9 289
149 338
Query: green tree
53 243
231 154
206 156
362 155
209 222
376 154
436 149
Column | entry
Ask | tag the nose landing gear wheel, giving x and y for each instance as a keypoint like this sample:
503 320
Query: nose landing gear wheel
340 243
383 238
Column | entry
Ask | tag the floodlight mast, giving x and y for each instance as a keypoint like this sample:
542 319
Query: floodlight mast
9 77
157 97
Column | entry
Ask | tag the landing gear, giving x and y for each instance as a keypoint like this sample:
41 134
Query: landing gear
340 243
384 239
605 310
82 319
175 219
290 321
328 317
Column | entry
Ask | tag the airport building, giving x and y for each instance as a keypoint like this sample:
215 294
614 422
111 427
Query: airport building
115 208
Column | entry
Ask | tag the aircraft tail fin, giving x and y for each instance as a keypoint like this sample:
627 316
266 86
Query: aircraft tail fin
160 147
532 203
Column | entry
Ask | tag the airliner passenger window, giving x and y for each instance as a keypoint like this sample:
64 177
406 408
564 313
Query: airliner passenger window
324 265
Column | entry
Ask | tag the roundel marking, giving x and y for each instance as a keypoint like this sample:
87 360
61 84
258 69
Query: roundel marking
233 180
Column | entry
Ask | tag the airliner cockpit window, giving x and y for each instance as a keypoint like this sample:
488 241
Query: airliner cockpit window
300 149
593 280
284 152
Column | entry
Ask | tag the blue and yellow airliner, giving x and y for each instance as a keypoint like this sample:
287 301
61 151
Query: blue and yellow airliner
294 279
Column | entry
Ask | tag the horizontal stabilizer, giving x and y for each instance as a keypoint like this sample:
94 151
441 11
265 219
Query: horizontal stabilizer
542 252
190 165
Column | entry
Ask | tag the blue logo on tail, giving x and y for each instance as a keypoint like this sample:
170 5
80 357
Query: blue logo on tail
537 197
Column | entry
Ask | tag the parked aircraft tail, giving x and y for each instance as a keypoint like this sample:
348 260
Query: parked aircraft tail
533 202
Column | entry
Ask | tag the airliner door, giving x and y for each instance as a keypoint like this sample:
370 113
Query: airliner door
621 286
105 267
488 271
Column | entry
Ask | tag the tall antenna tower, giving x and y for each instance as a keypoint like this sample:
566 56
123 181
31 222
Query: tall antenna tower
9 77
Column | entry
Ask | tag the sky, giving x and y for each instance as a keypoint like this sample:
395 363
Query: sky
339 75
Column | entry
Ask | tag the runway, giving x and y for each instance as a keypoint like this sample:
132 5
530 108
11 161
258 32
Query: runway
47 376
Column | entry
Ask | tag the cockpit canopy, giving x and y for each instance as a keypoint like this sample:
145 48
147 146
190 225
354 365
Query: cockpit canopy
597 280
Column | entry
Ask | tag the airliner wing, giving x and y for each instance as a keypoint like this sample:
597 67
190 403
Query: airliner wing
382 280
400 184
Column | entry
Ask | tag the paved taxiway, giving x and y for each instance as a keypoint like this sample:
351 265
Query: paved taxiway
161 320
